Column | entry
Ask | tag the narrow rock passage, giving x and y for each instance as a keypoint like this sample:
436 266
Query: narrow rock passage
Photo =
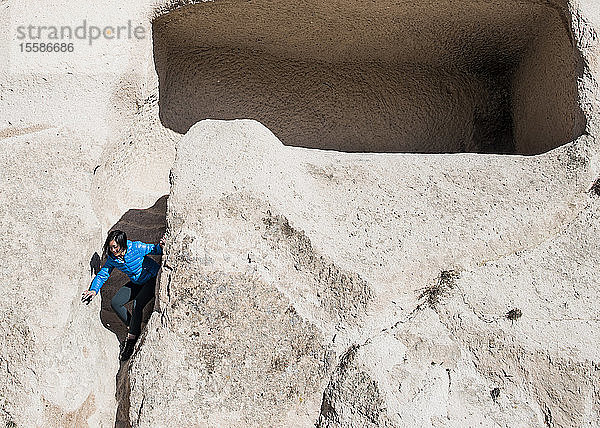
146 225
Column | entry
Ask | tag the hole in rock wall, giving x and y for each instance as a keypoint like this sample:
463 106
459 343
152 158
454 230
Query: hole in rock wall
389 76
146 225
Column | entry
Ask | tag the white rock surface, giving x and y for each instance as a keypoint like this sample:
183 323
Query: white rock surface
354 248
301 286
51 349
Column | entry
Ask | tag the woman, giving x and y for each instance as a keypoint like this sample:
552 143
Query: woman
130 258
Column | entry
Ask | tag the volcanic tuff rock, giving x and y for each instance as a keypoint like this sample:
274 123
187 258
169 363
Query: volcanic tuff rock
51 350
276 310
302 286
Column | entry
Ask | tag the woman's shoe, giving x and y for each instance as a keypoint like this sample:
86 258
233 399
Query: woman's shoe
127 349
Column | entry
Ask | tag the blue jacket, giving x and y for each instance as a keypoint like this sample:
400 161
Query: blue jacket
135 264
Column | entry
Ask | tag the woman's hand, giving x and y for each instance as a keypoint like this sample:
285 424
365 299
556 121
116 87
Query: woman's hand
162 242
87 296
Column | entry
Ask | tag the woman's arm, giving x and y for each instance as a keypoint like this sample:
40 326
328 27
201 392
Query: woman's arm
97 283
101 277
150 248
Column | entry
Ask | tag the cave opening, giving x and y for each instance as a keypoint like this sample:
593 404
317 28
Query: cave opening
146 225
424 76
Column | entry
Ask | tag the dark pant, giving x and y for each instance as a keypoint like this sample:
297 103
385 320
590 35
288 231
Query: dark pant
141 294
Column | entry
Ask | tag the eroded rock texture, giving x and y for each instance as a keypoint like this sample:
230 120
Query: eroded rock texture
275 310
50 350
307 287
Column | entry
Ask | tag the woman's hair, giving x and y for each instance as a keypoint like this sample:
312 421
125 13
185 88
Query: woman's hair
114 235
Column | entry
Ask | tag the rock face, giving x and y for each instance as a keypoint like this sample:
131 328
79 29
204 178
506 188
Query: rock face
307 287
51 351
277 311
